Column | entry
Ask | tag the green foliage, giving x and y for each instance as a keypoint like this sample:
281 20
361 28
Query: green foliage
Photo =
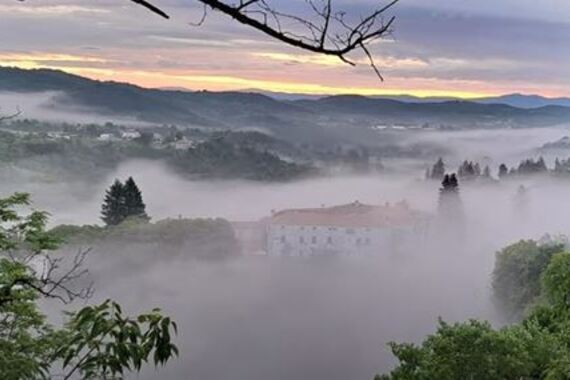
516 277
103 343
537 348
97 342
134 205
208 238
123 201
219 157
556 281
471 350
113 210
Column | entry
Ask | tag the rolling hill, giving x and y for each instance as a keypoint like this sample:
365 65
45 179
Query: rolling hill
301 119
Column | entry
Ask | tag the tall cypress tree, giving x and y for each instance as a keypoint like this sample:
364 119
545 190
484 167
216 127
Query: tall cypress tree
134 205
438 169
450 206
113 209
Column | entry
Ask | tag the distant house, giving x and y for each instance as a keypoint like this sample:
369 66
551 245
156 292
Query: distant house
130 135
106 137
351 229
183 144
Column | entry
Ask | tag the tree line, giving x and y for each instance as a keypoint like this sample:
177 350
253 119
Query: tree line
472 170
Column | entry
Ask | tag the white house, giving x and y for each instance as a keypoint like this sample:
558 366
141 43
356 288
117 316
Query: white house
351 229
130 135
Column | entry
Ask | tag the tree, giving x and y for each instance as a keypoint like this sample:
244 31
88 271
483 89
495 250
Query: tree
97 342
487 172
123 201
438 170
450 216
471 350
503 171
537 348
134 205
113 211
329 30
449 193
516 276
556 281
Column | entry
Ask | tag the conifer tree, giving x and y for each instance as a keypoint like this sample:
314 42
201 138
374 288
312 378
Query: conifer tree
438 169
450 206
487 172
503 171
134 205
113 209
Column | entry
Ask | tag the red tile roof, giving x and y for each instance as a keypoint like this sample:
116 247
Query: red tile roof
353 214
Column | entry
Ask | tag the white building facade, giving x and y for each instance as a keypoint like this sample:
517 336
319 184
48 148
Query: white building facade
353 229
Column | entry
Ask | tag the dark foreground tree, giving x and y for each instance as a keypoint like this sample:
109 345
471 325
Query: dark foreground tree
134 205
322 28
97 342
113 211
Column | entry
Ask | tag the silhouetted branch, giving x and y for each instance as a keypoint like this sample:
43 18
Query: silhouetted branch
53 281
330 34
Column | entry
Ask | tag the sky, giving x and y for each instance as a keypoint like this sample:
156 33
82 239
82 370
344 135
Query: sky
461 48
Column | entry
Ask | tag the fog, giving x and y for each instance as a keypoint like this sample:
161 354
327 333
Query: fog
52 106
256 317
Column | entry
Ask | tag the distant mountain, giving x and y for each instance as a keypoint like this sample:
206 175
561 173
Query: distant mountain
318 119
514 100
526 101
455 113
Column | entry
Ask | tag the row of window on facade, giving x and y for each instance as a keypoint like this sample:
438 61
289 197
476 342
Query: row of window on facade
347 230
358 241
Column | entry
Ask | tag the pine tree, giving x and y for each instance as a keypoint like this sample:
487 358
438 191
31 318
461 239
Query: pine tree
134 205
503 171
438 169
113 209
450 207
477 169
487 172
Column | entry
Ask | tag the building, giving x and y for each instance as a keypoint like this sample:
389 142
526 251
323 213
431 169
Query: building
130 135
351 229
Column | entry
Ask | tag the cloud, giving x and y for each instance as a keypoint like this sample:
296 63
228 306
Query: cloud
49 10
484 47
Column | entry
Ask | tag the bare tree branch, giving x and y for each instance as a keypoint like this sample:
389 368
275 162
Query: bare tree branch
52 281
331 34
